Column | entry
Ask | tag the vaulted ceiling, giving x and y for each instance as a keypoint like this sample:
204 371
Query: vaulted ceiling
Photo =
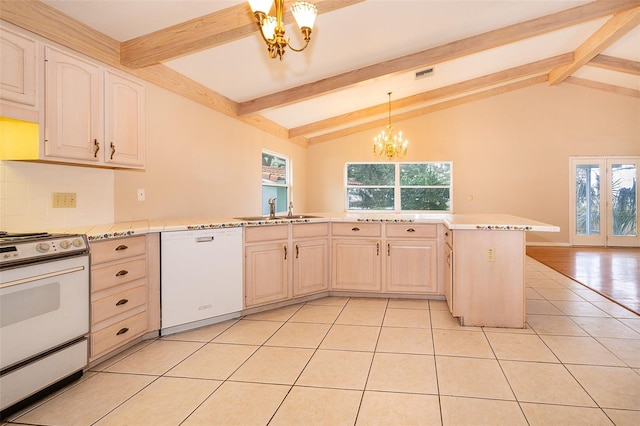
210 51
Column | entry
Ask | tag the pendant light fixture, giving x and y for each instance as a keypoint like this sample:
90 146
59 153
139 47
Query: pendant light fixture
272 27
390 145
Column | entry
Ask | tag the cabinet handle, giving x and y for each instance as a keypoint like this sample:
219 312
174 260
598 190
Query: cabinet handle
96 148
121 247
355 229
285 252
449 259
113 150
446 234
122 331
388 249
411 230
377 249
122 273
122 302
297 251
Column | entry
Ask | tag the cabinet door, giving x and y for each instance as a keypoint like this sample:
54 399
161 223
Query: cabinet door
17 68
73 107
124 121
310 267
412 266
356 265
266 273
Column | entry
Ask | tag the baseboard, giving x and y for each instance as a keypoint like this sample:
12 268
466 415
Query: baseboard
547 244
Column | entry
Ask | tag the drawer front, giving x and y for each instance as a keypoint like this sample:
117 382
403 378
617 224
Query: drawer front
119 273
411 230
309 230
118 333
115 304
356 229
122 248
266 233
448 236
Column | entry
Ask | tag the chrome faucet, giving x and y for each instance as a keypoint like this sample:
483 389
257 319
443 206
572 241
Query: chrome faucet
290 214
272 208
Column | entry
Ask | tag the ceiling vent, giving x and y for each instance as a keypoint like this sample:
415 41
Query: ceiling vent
424 73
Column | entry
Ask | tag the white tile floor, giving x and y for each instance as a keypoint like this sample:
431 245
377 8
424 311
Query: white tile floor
359 361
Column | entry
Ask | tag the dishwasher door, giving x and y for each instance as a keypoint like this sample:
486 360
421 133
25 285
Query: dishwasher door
201 275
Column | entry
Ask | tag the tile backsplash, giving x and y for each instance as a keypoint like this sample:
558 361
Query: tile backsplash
26 196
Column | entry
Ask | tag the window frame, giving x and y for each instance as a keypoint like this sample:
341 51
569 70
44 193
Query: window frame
288 183
397 187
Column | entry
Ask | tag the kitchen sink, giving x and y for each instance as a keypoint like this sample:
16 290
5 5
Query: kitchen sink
260 218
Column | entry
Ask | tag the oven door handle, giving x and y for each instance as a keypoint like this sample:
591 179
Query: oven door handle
42 277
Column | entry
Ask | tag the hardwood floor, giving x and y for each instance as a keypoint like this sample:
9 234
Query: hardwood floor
612 272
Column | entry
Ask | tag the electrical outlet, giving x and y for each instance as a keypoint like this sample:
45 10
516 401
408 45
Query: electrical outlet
491 255
63 200
140 194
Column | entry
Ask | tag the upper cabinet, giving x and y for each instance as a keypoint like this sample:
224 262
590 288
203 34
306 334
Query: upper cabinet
91 113
18 76
88 113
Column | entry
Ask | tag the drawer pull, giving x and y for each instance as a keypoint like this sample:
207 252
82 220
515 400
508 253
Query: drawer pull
411 230
355 229
122 302
122 331
121 247
122 273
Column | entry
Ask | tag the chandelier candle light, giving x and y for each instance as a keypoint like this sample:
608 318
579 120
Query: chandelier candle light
272 27
388 144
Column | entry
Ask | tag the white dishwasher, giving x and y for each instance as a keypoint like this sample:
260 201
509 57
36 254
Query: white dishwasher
201 277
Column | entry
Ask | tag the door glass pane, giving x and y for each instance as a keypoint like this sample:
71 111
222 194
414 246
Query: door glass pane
587 199
624 205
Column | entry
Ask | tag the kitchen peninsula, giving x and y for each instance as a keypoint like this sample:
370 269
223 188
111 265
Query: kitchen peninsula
478 259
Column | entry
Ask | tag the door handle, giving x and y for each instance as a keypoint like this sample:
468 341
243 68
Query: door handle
204 239
285 252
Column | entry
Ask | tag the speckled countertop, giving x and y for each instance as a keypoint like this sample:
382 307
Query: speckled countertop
500 222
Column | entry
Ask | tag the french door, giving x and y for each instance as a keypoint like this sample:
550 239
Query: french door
604 201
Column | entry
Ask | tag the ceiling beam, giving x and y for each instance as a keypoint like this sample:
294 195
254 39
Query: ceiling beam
204 32
542 66
610 88
378 124
615 64
449 51
614 29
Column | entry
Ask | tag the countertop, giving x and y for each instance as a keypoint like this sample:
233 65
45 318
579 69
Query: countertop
499 222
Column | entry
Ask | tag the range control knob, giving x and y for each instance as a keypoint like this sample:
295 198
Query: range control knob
65 244
78 242
43 247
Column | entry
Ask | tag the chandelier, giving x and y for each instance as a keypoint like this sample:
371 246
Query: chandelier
272 27
388 144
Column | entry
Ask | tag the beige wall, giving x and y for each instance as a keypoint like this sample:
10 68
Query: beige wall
200 163
510 153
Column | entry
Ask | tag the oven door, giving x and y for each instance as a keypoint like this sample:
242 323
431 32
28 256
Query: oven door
42 306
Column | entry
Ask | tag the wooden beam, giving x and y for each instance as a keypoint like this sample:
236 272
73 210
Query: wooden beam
610 88
455 49
616 27
537 67
378 124
615 64
204 32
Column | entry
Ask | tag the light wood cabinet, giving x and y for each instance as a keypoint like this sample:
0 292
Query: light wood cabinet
411 258
310 258
92 115
19 76
266 264
356 256
124 292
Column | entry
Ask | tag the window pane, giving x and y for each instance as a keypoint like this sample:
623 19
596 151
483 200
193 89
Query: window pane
371 174
425 198
588 199
274 169
277 192
624 207
425 174
370 198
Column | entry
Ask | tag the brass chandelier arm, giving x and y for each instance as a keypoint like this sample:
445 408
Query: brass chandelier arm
306 32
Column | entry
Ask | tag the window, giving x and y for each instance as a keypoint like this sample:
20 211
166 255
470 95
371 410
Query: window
275 181
399 186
